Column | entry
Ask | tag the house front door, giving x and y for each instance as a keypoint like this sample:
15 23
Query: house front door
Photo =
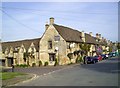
10 61
2 62
51 56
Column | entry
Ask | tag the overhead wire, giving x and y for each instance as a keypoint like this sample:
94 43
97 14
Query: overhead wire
58 12
19 22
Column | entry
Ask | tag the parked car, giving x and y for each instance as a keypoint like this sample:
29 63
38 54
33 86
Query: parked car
104 56
112 54
90 59
99 57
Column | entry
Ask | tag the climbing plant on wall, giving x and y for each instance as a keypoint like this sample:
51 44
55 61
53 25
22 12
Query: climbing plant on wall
85 47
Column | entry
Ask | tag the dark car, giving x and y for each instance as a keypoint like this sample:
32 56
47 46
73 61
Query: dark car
96 58
104 56
90 59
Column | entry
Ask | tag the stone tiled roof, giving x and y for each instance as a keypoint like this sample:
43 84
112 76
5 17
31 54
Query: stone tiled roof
26 43
72 35
90 39
68 33
103 42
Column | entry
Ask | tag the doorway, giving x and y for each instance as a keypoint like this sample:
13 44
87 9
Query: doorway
10 61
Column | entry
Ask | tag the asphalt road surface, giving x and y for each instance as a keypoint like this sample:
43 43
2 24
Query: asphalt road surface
104 73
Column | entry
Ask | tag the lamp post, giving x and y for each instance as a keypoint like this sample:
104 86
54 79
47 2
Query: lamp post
57 49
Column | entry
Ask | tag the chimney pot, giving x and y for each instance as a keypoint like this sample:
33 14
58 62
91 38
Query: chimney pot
51 20
90 33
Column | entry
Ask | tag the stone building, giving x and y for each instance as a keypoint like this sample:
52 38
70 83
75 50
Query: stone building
21 52
58 42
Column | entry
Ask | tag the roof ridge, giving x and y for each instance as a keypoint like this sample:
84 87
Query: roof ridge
21 40
66 27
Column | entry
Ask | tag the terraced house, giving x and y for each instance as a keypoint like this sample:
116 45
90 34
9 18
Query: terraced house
58 43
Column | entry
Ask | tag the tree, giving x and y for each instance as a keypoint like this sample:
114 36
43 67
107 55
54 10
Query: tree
118 45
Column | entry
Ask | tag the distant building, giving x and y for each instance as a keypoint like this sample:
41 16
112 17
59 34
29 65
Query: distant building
58 42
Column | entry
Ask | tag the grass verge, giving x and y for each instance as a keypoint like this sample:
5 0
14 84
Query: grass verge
9 75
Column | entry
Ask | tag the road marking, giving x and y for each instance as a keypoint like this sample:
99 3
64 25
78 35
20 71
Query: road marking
33 78
36 76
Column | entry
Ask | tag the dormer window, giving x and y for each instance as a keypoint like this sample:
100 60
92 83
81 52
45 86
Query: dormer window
50 44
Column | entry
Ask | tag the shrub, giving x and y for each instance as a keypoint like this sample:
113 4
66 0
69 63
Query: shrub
46 63
22 65
70 63
78 59
56 62
17 65
33 64
40 63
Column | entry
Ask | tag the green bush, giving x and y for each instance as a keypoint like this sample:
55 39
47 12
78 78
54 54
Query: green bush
81 59
56 62
33 64
78 59
40 63
46 63
17 65
22 65
70 63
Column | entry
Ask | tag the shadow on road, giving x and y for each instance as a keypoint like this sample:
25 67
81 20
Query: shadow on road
106 66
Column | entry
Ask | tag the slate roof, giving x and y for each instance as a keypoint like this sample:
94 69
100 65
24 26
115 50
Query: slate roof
16 44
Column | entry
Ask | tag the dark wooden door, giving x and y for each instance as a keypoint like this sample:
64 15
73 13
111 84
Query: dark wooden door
10 61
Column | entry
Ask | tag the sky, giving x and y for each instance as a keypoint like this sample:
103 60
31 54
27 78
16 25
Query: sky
26 20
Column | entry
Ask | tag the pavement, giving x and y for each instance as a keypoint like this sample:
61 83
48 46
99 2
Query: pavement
32 73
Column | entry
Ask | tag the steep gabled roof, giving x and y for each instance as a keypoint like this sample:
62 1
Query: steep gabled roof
90 39
16 44
72 35
103 42
68 33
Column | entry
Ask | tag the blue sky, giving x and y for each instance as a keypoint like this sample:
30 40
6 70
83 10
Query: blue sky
26 20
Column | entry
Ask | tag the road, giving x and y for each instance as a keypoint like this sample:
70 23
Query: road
104 73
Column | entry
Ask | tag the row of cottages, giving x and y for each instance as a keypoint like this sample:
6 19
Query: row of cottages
20 52
58 42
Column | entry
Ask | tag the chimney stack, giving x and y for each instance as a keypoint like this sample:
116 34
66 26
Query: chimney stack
90 33
51 20
100 36
97 35
83 36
